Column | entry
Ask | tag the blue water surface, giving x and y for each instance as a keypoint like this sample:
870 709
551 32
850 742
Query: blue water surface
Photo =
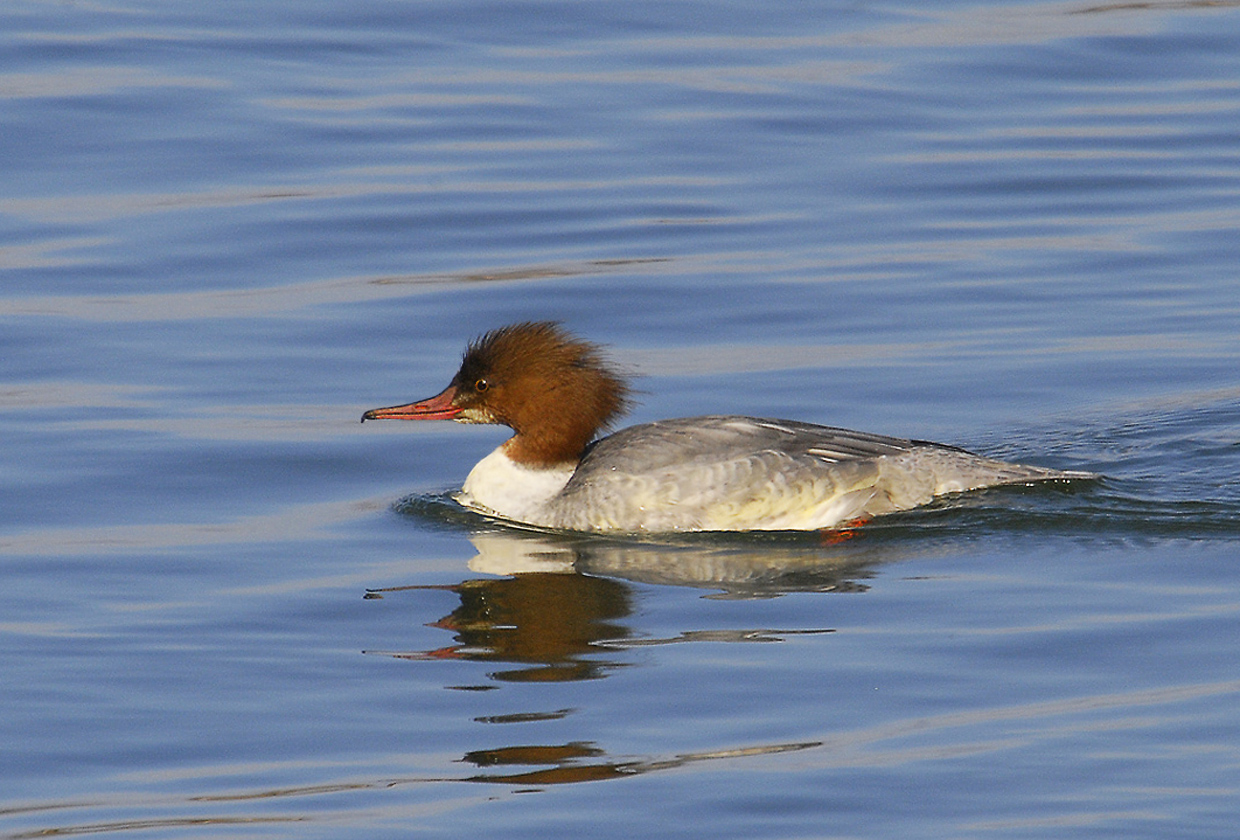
227 609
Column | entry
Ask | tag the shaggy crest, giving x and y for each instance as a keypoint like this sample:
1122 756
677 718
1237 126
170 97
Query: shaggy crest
520 374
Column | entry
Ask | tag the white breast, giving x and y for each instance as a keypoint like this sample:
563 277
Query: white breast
499 485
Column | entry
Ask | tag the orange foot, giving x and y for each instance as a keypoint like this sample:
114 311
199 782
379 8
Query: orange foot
837 535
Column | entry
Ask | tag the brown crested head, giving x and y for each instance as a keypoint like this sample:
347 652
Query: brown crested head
553 389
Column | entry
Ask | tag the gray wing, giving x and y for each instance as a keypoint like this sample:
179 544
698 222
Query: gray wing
693 440
724 473
744 473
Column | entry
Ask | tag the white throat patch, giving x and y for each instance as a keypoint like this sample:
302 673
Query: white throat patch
499 485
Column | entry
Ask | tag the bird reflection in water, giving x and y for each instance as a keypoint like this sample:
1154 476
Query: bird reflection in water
584 762
548 622
557 607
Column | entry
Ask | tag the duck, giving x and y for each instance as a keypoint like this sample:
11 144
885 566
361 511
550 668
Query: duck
724 472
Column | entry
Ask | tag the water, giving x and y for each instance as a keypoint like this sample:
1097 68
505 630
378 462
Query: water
228 609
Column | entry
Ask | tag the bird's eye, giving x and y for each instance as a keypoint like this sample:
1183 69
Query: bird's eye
481 386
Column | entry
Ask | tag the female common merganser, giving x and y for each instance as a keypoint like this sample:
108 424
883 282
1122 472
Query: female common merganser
715 473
